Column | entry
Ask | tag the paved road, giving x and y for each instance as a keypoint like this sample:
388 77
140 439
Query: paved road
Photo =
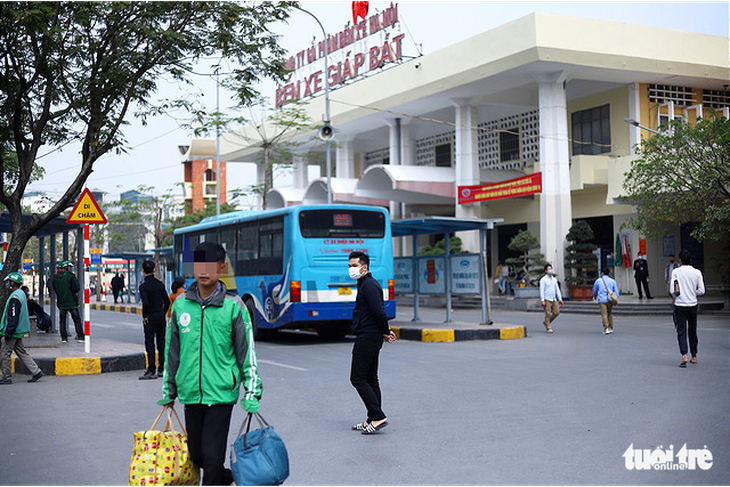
548 409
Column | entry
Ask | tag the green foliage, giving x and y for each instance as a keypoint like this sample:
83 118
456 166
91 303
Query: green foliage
70 71
439 248
683 176
270 137
192 219
579 257
530 264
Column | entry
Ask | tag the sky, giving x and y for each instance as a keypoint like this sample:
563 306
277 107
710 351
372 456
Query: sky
152 158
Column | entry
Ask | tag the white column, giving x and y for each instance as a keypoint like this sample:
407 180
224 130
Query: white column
300 167
555 205
635 113
345 158
467 166
395 157
260 176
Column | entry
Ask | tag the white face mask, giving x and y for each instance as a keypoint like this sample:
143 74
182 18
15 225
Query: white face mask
354 272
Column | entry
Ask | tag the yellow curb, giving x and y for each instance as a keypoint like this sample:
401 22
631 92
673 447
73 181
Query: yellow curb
511 333
78 365
437 335
396 330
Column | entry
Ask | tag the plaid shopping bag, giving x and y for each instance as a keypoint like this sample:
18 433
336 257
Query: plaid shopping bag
162 457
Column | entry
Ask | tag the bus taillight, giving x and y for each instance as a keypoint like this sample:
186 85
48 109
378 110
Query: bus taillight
295 291
391 289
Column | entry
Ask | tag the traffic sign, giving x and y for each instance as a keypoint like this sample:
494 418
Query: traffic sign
86 210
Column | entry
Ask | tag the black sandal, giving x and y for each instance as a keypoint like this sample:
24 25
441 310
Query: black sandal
359 426
371 430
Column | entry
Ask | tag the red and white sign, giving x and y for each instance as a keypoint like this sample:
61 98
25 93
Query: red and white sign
523 186
352 52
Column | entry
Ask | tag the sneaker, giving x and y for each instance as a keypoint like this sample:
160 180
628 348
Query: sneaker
80 339
6 381
160 373
550 330
36 377
64 341
605 331
148 375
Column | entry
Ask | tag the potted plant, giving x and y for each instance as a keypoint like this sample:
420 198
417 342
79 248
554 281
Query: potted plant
528 266
581 264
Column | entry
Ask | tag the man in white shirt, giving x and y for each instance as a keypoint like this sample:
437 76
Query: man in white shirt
671 265
687 284
550 297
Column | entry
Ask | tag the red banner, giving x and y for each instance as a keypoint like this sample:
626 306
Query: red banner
523 186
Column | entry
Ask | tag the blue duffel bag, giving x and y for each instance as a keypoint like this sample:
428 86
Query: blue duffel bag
259 457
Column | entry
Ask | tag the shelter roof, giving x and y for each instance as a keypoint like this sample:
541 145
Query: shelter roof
440 224
53 227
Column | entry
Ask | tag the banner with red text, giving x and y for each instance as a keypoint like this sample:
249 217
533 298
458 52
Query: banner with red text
523 186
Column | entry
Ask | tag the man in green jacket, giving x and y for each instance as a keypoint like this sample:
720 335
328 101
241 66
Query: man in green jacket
210 355
67 288
14 325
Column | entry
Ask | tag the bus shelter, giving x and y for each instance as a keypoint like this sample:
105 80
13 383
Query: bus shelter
446 225
134 267
46 270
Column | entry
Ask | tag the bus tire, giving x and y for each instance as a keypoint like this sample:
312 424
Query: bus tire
258 333
334 332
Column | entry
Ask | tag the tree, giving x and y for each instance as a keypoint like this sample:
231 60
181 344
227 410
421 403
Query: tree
439 248
271 135
580 255
530 264
683 176
71 72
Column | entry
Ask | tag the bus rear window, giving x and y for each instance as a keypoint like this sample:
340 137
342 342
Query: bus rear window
341 223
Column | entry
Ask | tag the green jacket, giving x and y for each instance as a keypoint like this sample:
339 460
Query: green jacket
22 325
210 351
67 288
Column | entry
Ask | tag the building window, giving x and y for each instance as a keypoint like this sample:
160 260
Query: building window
442 154
209 175
591 131
679 95
509 144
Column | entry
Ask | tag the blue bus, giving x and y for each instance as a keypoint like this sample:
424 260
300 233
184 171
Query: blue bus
289 265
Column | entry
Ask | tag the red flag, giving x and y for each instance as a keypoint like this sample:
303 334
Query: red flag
359 9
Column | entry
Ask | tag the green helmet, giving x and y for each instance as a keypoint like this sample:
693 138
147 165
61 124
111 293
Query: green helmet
62 263
15 277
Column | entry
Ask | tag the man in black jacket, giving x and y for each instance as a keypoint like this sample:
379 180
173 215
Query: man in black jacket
155 303
370 326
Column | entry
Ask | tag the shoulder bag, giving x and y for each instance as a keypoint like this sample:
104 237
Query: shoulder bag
612 296
259 457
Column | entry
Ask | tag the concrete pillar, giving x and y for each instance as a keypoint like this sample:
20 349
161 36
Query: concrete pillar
300 164
345 158
555 205
635 113
397 209
467 166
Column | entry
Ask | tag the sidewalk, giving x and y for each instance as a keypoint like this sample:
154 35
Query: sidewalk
55 358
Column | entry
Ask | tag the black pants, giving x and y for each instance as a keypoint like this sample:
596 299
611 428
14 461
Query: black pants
364 374
155 329
77 323
685 322
207 439
642 281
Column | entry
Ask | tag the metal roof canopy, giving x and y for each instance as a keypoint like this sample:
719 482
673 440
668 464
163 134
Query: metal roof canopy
53 227
445 225
440 224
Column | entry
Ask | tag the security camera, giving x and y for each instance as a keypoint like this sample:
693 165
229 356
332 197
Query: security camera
417 64
326 132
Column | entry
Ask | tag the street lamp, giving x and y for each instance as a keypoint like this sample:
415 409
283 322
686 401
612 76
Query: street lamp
633 122
326 132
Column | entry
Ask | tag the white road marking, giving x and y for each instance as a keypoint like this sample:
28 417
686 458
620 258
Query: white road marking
282 365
